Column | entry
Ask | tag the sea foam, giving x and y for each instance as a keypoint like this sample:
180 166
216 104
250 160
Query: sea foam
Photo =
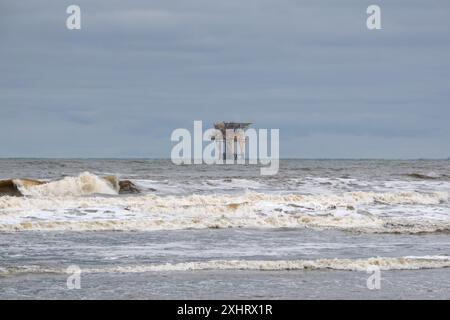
361 265
84 184
352 211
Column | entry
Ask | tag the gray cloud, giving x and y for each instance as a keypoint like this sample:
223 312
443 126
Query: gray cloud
139 69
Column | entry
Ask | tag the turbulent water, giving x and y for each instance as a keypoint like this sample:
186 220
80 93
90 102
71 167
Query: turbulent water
315 215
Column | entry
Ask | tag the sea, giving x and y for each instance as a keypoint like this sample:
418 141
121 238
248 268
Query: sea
319 229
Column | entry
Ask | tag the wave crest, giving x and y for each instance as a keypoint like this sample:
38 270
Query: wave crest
427 176
361 265
250 210
84 184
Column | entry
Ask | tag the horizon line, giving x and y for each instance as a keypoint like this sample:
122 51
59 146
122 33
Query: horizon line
158 158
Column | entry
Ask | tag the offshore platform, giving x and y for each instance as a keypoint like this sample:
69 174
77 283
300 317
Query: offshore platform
229 136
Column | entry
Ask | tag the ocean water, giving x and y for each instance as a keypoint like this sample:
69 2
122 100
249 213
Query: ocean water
315 230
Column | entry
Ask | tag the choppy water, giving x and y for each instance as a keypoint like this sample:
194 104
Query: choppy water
204 227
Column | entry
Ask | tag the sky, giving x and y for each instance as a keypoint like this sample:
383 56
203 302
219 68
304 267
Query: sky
139 69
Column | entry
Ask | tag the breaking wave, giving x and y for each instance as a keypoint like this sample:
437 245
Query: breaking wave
84 184
346 211
382 263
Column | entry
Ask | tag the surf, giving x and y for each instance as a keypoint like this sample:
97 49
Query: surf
84 184
355 212
12 187
338 264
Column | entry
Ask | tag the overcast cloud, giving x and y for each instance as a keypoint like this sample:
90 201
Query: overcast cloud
139 69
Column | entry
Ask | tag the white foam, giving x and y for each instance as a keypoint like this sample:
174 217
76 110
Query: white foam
362 265
385 264
84 184
252 210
